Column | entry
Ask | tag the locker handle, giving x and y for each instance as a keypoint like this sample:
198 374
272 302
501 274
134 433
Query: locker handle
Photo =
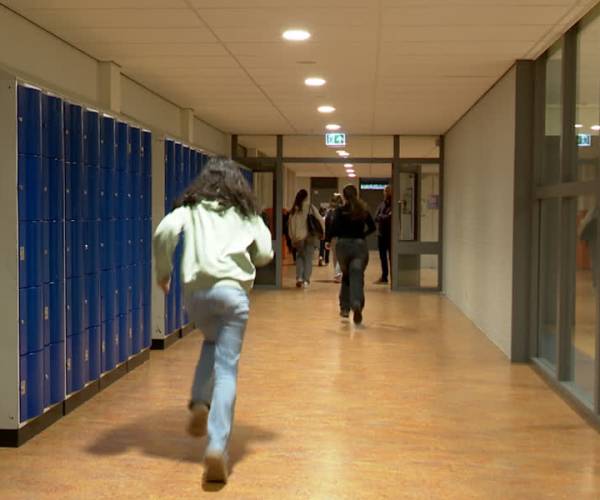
23 387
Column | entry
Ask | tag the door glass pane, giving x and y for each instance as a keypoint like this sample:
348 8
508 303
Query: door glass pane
548 280
587 123
550 173
583 331
429 219
418 271
407 207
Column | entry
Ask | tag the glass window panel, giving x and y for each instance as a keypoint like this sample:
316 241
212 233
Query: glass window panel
584 216
418 271
587 119
550 168
429 219
407 206
548 280
419 147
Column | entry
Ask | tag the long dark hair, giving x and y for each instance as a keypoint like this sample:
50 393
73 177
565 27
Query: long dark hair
222 181
300 197
354 205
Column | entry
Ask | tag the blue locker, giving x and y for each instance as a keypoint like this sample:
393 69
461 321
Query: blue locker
137 339
73 122
52 127
178 165
95 350
30 188
92 247
135 139
56 311
137 229
123 146
137 192
46 314
108 186
124 288
147 326
108 295
137 282
128 242
92 295
193 162
30 254
76 191
135 161
56 373
108 144
186 165
125 337
45 251
91 138
146 153
147 240
75 248
31 320
56 247
92 209
147 209
110 345
125 197
56 189
147 284
78 361
32 385
47 364
76 306
122 257
108 244
29 120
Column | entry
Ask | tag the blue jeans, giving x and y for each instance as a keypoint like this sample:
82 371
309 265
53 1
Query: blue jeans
222 314
304 259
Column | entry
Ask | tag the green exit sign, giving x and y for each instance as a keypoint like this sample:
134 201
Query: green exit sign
337 139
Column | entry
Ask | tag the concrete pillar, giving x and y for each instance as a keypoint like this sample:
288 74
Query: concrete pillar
109 86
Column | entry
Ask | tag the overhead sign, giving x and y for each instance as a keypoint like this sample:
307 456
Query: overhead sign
584 140
335 139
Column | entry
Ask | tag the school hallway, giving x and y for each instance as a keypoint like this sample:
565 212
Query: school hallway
414 404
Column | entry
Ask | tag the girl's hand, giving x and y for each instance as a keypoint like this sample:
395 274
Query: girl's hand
165 285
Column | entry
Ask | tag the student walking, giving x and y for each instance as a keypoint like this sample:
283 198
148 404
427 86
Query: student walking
351 225
336 202
307 228
225 238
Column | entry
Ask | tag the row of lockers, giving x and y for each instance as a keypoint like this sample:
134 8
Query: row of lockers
65 367
53 190
55 129
55 251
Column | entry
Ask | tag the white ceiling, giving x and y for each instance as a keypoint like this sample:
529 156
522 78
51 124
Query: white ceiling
393 66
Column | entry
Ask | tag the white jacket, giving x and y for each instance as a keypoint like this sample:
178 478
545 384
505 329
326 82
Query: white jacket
298 225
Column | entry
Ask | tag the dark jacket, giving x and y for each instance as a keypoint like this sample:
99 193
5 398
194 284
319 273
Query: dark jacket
383 217
345 225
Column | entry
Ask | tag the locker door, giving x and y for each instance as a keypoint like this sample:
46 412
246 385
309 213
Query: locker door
136 281
108 296
91 138
30 188
73 116
92 291
56 251
45 251
30 254
75 248
92 247
80 360
124 189
148 240
147 153
107 189
31 322
76 191
45 189
29 110
95 353
136 331
32 385
186 166
76 306
147 210
147 325
137 196
57 373
56 311
52 127
110 345
56 190
108 145
46 314
123 146
107 244
47 383
124 338
93 188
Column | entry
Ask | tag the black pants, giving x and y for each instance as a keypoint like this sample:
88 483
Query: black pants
323 252
353 256
385 254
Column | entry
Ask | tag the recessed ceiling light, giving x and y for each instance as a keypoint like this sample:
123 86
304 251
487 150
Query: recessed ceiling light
578 125
348 165
595 127
315 82
333 126
343 154
296 35
326 109
351 175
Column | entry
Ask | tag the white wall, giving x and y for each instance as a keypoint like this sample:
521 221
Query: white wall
478 216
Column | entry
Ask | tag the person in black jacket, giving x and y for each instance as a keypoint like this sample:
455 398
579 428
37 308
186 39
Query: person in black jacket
352 223
383 217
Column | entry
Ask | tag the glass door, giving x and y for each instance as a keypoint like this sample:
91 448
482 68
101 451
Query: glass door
416 234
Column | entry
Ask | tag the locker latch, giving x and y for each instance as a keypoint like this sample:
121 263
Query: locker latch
22 253
23 387
46 313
